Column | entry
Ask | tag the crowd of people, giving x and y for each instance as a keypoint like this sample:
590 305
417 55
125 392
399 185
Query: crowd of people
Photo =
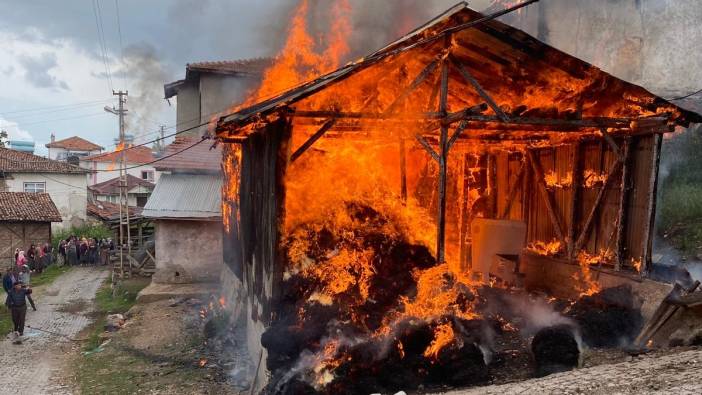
72 251
85 251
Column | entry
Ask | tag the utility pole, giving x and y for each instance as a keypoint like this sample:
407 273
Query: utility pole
123 191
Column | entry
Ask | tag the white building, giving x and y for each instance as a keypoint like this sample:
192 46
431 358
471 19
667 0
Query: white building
71 147
105 167
66 184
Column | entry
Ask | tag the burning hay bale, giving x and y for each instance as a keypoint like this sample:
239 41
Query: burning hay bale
364 309
609 318
555 349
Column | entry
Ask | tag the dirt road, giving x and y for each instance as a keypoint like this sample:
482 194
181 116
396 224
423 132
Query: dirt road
63 307
679 374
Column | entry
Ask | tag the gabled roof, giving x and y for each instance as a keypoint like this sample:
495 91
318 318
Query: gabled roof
12 161
107 211
185 196
523 75
135 155
242 68
111 187
199 158
26 206
75 143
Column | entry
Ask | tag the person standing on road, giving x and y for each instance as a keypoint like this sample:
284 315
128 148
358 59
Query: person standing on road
17 303
21 259
62 253
24 275
72 253
9 279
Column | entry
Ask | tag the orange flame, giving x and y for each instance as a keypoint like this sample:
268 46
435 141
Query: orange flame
443 336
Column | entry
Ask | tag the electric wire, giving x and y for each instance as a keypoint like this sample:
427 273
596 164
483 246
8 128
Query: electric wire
686 96
102 45
121 45
42 109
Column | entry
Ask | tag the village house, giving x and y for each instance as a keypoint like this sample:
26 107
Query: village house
138 191
25 219
185 208
65 183
212 87
105 166
71 149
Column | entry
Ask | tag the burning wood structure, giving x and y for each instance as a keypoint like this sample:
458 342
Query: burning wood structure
355 192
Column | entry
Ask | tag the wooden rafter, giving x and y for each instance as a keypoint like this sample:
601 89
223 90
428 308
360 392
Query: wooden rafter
418 80
310 141
476 85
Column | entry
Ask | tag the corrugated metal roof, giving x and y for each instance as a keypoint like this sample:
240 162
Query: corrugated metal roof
185 196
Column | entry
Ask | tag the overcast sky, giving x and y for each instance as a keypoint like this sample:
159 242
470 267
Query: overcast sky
50 55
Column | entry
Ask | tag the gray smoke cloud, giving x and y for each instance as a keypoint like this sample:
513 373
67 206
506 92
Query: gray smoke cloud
146 74
37 68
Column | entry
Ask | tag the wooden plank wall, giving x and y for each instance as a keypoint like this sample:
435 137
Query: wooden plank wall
264 159
596 158
21 235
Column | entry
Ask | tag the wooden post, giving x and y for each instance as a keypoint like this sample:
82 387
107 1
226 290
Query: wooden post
443 157
548 200
651 215
623 204
465 216
492 184
574 197
516 185
403 171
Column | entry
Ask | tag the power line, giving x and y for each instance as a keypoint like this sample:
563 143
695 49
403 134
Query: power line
103 47
121 46
686 96
41 109
155 160
61 119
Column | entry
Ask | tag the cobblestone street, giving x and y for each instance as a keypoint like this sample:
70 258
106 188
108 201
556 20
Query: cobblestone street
62 307
679 374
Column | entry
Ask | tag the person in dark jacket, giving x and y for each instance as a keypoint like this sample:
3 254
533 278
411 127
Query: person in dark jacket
9 279
17 303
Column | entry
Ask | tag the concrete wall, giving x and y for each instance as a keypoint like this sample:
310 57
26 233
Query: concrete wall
188 107
110 170
648 42
188 251
68 191
557 277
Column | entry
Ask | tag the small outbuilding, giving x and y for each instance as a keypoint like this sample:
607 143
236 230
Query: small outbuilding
25 219
185 208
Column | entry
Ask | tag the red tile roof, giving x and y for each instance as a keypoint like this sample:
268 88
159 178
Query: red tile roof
12 161
199 158
75 143
26 206
138 155
253 66
107 211
111 187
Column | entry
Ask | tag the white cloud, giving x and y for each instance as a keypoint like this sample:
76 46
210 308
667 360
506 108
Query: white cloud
14 132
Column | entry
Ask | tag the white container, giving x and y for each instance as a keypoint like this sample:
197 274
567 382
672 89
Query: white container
492 237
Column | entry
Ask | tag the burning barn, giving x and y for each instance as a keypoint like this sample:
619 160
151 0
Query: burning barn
373 207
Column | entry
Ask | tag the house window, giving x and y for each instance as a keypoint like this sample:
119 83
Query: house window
35 187
147 175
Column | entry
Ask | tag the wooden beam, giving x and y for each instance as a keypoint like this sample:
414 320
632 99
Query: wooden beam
651 200
476 85
427 147
457 133
413 86
546 195
574 197
310 141
403 171
623 204
612 144
514 187
588 222
443 157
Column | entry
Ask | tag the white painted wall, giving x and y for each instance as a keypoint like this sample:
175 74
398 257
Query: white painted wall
110 170
59 153
68 192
